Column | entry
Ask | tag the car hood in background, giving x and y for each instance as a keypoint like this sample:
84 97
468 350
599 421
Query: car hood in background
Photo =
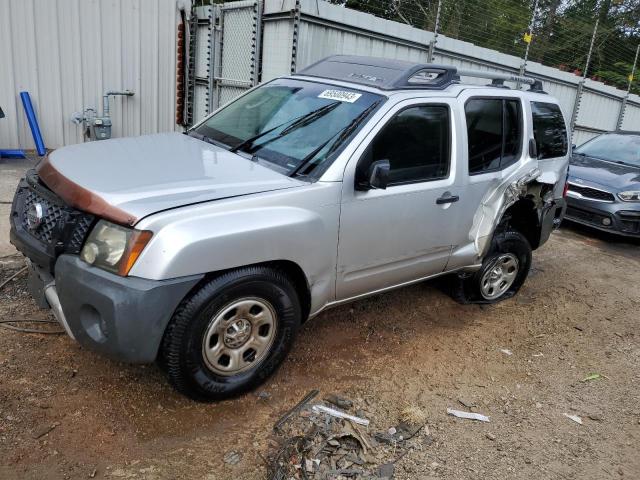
127 179
613 175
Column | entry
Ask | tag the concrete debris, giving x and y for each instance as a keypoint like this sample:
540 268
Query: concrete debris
232 457
575 418
468 415
339 414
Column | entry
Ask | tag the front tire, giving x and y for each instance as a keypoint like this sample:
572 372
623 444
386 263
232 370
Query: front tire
232 334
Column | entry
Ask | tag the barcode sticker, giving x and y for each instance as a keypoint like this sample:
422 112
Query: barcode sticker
340 95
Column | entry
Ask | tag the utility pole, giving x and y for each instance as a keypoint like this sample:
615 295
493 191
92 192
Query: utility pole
528 37
576 103
432 43
626 97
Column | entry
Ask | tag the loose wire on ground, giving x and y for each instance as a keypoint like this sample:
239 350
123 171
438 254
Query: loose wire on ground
7 323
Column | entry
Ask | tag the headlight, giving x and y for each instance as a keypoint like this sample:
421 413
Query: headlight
630 196
114 248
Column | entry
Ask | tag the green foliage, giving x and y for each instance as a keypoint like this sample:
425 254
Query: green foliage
562 29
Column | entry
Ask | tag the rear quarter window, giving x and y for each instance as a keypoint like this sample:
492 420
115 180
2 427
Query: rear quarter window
549 130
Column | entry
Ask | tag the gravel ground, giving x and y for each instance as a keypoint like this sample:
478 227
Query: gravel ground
68 413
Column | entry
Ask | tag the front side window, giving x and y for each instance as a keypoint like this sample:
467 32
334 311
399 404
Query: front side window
416 142
549 130
292 126
494 131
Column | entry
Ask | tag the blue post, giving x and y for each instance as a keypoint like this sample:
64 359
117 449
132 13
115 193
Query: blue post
11 154
33 123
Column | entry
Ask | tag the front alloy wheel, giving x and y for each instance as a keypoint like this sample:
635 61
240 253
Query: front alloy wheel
240 336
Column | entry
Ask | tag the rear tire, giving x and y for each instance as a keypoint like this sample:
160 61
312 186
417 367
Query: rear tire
232 334
503 271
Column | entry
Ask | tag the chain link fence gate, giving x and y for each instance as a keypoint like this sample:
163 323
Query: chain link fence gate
227 53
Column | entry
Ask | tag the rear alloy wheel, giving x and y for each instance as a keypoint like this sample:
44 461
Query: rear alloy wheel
232 334
499 276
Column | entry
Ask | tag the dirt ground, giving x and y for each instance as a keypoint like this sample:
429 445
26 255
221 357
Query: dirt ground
576 315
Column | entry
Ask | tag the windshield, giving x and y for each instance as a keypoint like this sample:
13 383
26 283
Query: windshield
613 147
292 125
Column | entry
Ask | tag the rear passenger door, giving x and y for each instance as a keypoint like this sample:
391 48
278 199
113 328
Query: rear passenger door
493 145
552 141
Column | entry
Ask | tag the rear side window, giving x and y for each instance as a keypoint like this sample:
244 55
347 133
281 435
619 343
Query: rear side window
416 143
494 131
549 130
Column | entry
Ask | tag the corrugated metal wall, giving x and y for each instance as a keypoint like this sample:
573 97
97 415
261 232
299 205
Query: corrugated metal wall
67 53
326 29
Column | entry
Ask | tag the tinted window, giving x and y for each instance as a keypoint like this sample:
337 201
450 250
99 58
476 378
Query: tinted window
549 130
416 143
494 129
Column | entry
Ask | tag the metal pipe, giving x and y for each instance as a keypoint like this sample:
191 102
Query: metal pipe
33 123
12 154
105 99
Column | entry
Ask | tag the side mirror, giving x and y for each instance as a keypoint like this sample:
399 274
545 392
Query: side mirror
533 148
376 177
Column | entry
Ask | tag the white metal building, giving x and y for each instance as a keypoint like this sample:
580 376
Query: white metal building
67 53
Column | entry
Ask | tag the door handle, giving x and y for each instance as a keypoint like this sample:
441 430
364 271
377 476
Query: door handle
447 198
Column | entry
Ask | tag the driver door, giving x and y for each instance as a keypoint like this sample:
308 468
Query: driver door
402 233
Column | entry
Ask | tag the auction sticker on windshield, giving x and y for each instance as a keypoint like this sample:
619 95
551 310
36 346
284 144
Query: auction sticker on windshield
340 95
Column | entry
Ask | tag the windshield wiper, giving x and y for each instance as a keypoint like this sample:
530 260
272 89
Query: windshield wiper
342 134
296 123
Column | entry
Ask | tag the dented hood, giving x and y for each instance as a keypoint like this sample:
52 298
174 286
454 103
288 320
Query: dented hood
127 179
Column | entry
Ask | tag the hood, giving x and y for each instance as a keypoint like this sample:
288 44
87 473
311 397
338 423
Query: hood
127 179
616 176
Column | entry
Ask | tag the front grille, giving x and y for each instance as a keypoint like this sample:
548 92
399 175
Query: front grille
629 221
592 193
59 228
586 216
52 215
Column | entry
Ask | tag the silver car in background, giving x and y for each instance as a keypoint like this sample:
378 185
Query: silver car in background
206 251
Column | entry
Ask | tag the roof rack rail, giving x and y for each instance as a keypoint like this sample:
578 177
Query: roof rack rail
387 74
498 79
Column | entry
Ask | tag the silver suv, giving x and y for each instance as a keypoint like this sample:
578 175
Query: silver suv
206 251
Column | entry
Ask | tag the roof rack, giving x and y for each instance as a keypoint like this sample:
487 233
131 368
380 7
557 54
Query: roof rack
498 79
387 74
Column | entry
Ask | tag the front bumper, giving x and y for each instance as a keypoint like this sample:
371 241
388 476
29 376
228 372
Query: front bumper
121 317
621 218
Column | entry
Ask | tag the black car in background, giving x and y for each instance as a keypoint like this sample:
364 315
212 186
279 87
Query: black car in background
604 183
